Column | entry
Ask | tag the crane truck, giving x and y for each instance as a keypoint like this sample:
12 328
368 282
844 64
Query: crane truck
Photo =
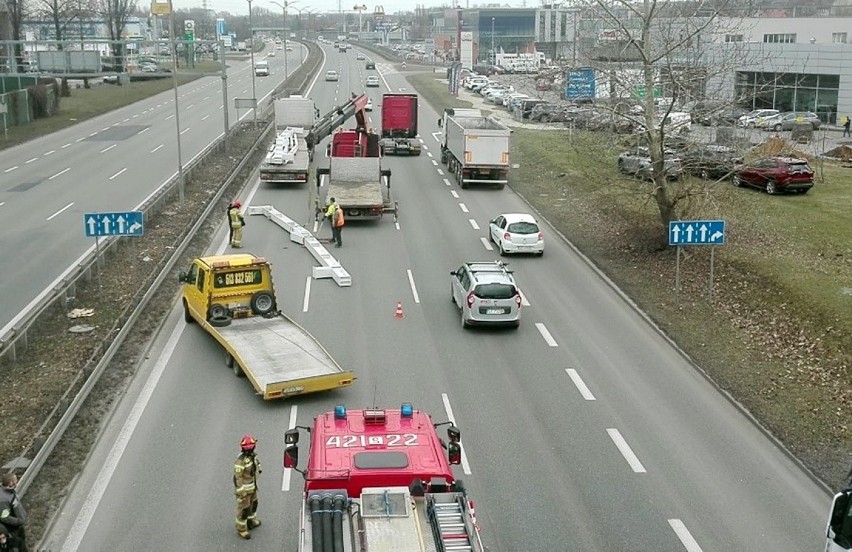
838 533
378 480
399 125
233 299
475 147
354 176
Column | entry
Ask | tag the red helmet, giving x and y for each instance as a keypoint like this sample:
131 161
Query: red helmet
237 203
248 442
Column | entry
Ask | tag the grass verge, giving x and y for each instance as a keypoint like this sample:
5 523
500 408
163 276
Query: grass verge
780 310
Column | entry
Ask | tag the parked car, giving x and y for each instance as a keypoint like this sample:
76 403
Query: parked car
549 113
724 117
756 118
776 175
510 99
372 82
516 233
786 121
486 293
496 96
331 76
711 161
525 107
638 163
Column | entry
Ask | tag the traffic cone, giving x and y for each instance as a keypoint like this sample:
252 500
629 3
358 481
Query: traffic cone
399 313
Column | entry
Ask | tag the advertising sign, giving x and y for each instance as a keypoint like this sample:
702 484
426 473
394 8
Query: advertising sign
160 7
220 27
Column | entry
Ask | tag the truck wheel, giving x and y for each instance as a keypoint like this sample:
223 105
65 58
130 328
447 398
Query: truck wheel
238 371
217 311
459 487
229 359
187 317
220 321
262 303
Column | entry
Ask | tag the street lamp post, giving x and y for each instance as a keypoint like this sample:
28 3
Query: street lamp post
253 88
284 7
493 52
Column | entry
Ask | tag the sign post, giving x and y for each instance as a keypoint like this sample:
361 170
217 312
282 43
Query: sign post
696 232
97 225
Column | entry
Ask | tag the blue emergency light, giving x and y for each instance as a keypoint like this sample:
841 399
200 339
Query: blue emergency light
339 412
406 410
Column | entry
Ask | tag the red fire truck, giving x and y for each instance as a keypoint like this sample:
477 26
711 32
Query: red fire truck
378 480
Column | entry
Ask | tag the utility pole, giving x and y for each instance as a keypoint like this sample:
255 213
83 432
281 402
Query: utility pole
253 89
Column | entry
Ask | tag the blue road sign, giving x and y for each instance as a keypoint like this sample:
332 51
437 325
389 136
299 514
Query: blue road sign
697 232
580 84
129 223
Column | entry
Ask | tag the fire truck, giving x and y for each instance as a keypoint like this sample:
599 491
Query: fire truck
378 480
354 176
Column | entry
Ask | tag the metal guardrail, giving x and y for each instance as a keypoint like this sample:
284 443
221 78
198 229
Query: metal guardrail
83 269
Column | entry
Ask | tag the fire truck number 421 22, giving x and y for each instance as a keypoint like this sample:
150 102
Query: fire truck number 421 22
394 440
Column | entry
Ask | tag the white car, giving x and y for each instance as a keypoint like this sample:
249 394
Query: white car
331 76
756 118
369 106
516 233
360 56
372 81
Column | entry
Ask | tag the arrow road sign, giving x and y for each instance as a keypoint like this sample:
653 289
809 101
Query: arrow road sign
697 232
129 223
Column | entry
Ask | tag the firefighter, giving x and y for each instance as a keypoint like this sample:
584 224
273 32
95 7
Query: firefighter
237 222
246 470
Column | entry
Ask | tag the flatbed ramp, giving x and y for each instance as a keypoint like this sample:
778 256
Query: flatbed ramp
281 357
356 181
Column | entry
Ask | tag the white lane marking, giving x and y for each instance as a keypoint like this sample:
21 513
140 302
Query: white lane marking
440 172
108 148
425 147
486 244
435 136
107 128
463 207
143 131
87 512
524 301
429 153
452 419
49 153
307 300
396 225
169 117
66 145
10 169
454 193
205 98
285 479
59 211
118 173
60 173
28 161
447 182
625 450
413 287
80 139
2 203
155 149
92 134
546 335
580 384
190 106
184 130
684 535
473 224
434 162
205 117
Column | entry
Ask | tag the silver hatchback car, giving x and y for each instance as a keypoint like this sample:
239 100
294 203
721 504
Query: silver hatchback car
486 293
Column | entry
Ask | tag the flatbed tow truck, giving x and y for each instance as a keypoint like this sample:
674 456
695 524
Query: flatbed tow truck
377 480
232 298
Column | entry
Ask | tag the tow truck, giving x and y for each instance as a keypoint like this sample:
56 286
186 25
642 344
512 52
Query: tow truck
298 131
378 480
233 299
354 176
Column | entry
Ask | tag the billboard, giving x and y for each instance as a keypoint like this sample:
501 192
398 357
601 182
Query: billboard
466 50
221 30
580 84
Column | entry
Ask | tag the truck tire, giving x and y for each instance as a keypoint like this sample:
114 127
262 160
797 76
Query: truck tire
220 321
187 317
229 359
238 371
262 303
217 311
459 487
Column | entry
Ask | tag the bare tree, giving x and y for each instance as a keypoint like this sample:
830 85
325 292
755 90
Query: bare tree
116 13
657 48
18 11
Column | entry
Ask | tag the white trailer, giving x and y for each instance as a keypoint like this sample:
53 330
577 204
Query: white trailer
475 148
289 157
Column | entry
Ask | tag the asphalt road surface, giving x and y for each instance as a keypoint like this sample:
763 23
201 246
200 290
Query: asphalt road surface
583 429
111 163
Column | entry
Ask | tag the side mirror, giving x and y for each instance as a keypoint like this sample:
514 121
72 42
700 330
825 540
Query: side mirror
182 277
452 273
291 456
454 434
454 453
291 437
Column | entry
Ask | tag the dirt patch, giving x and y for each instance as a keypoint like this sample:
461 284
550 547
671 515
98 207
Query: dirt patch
777 146
844 153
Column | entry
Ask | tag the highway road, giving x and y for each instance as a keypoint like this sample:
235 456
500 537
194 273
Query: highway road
583 430
110 163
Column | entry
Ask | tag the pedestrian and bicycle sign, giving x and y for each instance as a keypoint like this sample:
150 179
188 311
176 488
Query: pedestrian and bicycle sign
128 223
697 232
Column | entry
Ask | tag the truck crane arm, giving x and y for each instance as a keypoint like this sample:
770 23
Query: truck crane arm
336 117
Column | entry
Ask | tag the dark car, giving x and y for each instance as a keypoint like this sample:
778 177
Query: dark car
549 113
526 106
776 175
638 163
711 161
370 65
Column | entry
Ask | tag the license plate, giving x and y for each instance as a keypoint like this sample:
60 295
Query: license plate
525 247
493 311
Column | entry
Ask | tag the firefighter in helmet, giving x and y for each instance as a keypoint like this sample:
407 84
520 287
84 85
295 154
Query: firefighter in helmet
237 222
246 470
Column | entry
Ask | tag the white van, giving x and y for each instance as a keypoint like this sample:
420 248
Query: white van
261 69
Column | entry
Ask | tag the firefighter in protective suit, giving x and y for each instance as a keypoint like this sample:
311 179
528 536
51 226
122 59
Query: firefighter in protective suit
237 222
246 470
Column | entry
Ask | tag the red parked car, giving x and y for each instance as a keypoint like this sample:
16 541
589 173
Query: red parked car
776 175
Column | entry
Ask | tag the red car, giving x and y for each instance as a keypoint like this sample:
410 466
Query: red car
776 175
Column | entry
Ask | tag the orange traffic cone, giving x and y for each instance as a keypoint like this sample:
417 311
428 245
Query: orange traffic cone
399 313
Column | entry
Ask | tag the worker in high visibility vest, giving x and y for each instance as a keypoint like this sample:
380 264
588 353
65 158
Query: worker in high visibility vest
246 470
337 222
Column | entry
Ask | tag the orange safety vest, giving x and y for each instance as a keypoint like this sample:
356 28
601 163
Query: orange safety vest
338 217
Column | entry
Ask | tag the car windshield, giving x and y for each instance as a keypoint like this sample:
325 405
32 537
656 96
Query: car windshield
494 291
523 228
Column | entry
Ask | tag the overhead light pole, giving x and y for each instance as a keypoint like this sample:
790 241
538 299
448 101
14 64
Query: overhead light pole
173 48
493 51
284 7
251 50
